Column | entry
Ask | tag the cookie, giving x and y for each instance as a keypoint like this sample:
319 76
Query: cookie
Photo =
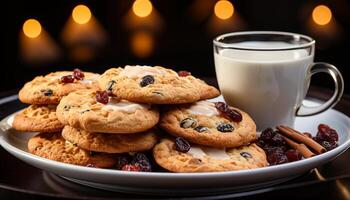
110 143
50 89
36 118
202 123
54 147
207 159
81 110
156 85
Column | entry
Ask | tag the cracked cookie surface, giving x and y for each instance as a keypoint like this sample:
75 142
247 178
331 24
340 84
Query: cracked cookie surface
81 110
110 143
205 159
202 123
54 147
36 118
156 85
49 89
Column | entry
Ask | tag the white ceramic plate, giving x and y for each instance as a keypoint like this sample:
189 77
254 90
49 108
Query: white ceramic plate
185 183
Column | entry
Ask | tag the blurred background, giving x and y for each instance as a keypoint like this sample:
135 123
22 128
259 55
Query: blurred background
45 36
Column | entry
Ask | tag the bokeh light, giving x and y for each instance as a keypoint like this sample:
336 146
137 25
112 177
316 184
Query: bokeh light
81 14
32 28
142 44
142 8
223 9
321 15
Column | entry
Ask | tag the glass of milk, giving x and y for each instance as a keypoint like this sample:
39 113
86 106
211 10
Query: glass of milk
267 74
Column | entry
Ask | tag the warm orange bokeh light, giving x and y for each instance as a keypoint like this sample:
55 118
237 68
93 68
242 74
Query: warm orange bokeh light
142 44
142 8
32 28
322 15
223 9
81 14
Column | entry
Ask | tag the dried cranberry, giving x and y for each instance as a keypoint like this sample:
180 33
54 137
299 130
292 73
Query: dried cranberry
183 73
146 80
78 74
142 161
182 145
102 97
277 140
276 157
122 160
328 145
326 133
131 168
293 155
233 114
67 79
267 135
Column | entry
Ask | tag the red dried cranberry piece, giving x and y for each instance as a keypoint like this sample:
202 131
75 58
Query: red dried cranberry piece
293 155
131 168
142 161
326 133
102 97
276 157
182 145
183 73
233 114
78 74
122 160
67 79
267 135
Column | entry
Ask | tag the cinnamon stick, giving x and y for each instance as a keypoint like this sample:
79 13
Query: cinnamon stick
299 137
302 148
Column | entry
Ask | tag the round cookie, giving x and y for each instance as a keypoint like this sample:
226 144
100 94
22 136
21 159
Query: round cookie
49 89
207 159
81 110
110 143
36 118
52 146
202 123
156 85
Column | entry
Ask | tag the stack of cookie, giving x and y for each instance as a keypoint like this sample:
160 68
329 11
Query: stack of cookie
104 126
43 94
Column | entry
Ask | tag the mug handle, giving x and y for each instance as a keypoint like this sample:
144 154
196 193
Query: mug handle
318 67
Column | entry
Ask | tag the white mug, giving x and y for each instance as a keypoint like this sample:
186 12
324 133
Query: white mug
267 74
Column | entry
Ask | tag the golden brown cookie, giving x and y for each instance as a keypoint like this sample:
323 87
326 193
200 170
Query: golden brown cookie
36 118
206 159
156 85
50 89
81 110
54 147
202 123
110 143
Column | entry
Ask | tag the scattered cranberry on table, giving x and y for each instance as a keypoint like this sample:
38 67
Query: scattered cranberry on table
278 152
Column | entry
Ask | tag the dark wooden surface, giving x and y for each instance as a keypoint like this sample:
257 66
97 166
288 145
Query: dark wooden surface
19 180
